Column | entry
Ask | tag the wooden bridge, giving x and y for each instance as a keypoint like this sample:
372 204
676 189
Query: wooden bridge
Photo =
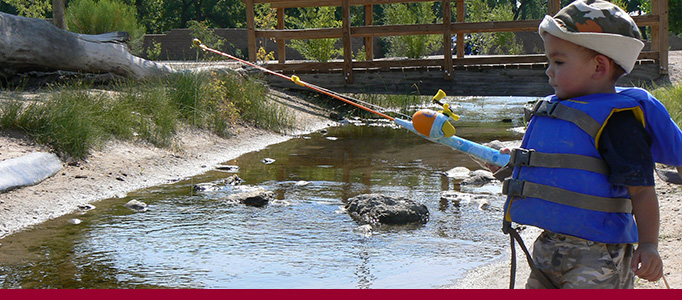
484 75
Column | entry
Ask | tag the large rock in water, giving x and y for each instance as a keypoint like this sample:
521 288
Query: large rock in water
378 209
257 198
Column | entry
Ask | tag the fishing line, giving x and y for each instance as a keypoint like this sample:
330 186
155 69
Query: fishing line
350 100
432 125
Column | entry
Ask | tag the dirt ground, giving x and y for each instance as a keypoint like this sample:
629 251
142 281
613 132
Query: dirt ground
119 168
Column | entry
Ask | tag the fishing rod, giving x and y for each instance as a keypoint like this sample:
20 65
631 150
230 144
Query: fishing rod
295 79
429 124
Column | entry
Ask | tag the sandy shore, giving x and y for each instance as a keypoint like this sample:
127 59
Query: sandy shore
119 168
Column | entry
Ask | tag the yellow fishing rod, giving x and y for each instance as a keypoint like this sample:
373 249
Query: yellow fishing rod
432 125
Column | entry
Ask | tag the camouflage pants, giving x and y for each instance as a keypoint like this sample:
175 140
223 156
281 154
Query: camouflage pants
573 263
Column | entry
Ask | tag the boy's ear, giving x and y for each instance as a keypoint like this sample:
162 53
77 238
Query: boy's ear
603 66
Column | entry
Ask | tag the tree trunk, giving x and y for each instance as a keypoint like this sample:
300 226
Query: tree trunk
28 44
58 9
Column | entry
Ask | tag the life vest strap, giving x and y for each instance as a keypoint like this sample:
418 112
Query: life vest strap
522 188
557 110
530 158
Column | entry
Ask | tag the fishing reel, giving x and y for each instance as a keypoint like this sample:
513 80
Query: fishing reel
435 124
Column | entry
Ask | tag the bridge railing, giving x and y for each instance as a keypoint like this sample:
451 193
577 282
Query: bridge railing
657 20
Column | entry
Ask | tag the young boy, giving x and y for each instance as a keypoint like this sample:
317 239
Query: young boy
584 172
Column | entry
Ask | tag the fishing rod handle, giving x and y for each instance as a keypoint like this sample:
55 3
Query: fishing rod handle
484 153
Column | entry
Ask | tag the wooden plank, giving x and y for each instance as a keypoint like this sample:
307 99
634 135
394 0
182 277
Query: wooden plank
347 43
250 30
461 8
281 43
412 29
369 41
553 7
387 64
660 34
301 34
522 80
318 3
447 39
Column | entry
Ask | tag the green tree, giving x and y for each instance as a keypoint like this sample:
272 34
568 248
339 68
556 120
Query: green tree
411 46
217 13
316 17
31 8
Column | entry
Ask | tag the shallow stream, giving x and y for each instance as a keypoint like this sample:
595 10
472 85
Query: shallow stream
303 239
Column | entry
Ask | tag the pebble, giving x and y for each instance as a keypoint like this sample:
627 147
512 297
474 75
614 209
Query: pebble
136 205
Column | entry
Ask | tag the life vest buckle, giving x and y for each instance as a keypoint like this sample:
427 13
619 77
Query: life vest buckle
545 108
513 187
520 157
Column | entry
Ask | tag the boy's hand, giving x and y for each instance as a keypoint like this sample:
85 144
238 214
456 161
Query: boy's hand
647 263
494 168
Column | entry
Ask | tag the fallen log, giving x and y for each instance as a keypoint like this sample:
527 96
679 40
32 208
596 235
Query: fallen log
28 44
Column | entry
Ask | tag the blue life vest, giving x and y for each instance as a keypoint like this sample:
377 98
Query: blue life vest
575 197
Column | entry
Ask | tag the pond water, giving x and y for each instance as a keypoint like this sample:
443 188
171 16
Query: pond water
303 239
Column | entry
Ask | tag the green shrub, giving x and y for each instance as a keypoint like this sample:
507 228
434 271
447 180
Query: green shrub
411 46
322 50
202 31
154 52
496 42
103 16
249 100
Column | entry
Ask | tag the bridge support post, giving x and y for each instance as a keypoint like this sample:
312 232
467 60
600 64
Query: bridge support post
447 39
347 45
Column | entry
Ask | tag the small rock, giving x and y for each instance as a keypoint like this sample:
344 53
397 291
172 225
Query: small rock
478 177
136 205
458 173
228 168
75 221
233 180
86 207
483 204
365 230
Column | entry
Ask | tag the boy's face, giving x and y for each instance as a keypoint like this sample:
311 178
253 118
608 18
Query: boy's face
570 68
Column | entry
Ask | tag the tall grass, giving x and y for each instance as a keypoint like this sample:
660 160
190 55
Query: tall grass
76 118
671 97
103 16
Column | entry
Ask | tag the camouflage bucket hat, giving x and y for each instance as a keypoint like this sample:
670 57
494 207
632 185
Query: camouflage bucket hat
598 25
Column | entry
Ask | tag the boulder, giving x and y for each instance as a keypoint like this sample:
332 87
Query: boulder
258 198
376 209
